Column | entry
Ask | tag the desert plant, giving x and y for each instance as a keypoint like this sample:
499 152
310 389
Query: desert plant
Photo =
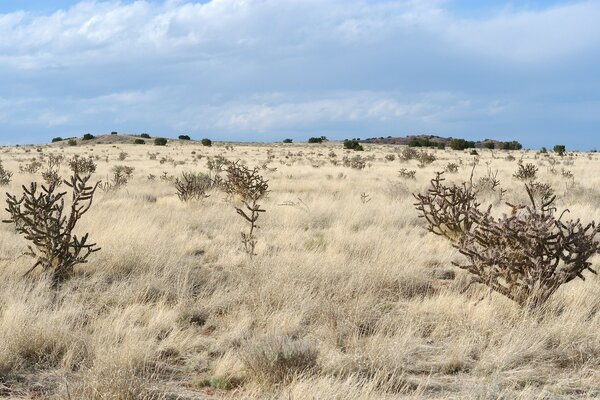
123 155
72 142
121 176
139 141
525 255
526 172
41 216
407 174
451 168
57 139
206 142
408 153
88 136
560 149
425 159
50 174
288 141
353 145
5 175
278 359
356 162
82 165
31 167
160 142
390 157
250 187
145 136
192 186
184 137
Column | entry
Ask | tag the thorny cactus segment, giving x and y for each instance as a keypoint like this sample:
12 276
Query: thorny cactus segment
41 216
525 255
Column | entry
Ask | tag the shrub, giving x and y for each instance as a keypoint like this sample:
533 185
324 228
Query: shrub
390 157
5 175
88 136
82 165
57 139
287 140
356 162
407 174
50 174
425 159
206 142
41 217
451 168
408 153
526 172
317 139
145 136
560 149
31 168
352 145
121 176
474 152
123 155
461 144
114 133
139 141
525 255
160 142
184 137
72 142
279 359
192 186
250 187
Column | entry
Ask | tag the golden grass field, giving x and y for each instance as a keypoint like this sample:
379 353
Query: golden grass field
347 298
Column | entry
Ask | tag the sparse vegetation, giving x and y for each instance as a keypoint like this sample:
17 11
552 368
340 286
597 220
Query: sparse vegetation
192 186
160 142
345 295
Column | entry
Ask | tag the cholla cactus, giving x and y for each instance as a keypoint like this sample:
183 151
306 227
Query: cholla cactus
525 255
250 187
41 216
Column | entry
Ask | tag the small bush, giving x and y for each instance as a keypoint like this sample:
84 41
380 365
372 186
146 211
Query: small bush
82 165
408 153
390 157
72 142
5 175
160 142
192 186
88 136
31 168
121 176
317 139
57 139
206 142
560 149
356 162
114 133
287 140
278 360
425 159
123 155
139 141
526 172
451 168
407 174
145 136
184 137
352 145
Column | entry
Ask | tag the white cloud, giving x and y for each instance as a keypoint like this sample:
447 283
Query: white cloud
229 66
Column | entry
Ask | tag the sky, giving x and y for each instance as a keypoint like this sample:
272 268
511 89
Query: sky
265 70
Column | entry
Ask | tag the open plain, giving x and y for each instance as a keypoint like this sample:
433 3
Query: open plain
348 295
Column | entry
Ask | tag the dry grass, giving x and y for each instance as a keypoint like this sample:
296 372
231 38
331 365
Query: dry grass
344 300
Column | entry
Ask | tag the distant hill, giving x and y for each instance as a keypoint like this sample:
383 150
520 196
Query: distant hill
433 141
114 139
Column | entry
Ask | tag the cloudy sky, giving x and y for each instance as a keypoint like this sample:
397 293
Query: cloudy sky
272 69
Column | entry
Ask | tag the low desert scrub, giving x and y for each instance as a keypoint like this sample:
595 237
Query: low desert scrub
192 186
121 174
279 359
526 255
526 172
5 175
